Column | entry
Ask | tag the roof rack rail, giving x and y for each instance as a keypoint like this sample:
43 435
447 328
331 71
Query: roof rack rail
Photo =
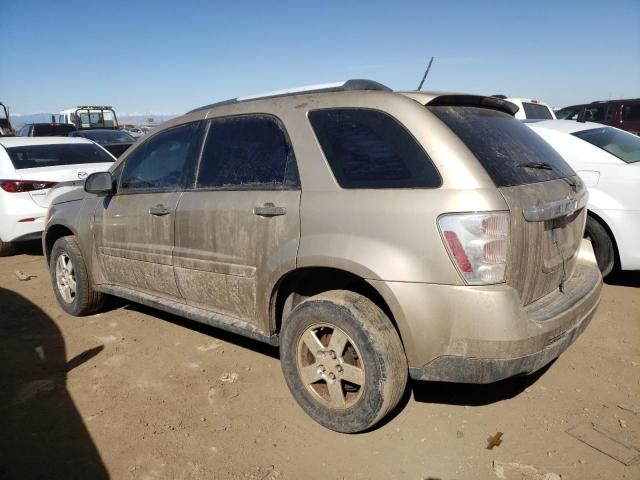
349 85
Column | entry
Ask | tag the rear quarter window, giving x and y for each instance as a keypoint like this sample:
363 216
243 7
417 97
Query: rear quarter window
510 152
370 149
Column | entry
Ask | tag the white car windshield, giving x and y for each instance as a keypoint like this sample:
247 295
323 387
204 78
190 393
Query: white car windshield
620 144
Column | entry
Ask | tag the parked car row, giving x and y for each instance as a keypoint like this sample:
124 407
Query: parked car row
373 235
623 114
114 140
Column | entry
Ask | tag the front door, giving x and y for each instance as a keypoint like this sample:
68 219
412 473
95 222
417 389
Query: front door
134 229
239 229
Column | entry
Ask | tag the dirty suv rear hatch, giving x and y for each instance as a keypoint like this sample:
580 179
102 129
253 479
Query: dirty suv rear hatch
545 197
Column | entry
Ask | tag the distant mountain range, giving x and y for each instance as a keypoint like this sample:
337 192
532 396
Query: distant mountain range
18 120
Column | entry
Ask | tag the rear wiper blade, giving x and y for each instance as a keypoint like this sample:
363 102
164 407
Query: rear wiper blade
537 165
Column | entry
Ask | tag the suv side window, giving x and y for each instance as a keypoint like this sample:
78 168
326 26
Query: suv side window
370 149
247 152
159 163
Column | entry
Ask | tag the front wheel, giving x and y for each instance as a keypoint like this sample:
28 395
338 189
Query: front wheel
71 281
343 360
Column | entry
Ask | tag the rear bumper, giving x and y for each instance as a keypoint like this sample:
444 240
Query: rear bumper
21 220
488 370
482 334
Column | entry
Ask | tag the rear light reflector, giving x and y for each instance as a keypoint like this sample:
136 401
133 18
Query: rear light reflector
27 220
20 186
478 244
458 252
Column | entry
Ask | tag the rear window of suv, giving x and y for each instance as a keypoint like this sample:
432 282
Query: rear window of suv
34 156
510 152
370 149
535 111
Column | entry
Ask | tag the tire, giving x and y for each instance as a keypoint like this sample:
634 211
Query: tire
602 245
84 299
6 249
372 355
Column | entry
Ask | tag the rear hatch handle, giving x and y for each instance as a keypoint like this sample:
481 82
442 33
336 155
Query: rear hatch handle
159 210
269 210
559 208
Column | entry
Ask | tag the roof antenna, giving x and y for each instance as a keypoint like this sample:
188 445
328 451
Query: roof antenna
425 74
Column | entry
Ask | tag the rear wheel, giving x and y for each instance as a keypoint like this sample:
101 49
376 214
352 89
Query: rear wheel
343 360
602 245
6 249
71 282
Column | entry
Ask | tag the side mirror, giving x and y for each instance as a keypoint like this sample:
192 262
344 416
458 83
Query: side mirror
100 183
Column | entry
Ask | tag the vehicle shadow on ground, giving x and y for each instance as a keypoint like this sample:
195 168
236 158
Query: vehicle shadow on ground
223 335
32 248
623 279
42 434
472 394
464 394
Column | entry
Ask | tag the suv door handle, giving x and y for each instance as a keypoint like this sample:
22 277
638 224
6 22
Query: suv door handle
269 210
159 210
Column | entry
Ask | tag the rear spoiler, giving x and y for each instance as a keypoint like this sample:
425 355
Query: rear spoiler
461 100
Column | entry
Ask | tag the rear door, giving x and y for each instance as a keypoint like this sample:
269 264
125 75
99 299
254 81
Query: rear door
134 229
238 230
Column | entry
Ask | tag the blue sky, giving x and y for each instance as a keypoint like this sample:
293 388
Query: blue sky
171 56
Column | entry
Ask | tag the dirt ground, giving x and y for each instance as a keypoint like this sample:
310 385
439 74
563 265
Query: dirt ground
132 393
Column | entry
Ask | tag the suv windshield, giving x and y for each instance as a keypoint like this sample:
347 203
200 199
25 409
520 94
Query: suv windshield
510 152
620 144
34 156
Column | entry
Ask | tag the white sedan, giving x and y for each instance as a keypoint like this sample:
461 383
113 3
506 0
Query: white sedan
29 168
608 160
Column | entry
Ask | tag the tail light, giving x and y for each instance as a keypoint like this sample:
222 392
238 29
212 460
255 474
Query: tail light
478 244
20 186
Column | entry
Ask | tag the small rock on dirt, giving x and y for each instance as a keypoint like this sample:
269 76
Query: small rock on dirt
231 377
24 277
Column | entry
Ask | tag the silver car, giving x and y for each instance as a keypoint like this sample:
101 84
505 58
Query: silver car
375 236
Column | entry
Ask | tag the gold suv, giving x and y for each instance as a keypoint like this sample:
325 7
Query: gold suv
372 235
